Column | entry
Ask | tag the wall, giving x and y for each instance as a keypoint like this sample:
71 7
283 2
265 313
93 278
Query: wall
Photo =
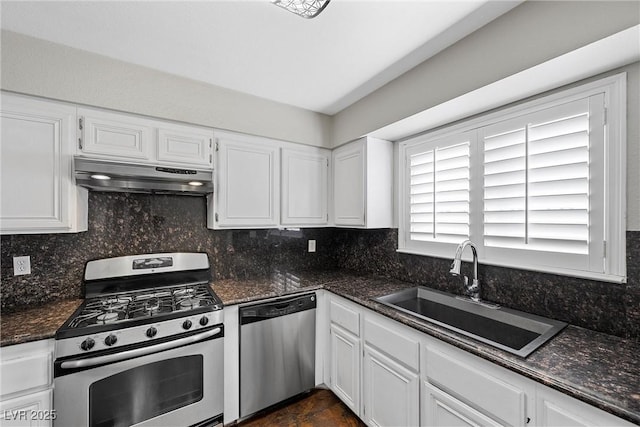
528 35
127 224
50 70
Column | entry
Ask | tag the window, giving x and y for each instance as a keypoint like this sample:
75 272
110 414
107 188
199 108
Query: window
539 186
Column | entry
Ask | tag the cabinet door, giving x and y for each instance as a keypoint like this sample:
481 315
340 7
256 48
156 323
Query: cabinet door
390 392
556 409
304 186
185 145
349 184
345 367
115 136
33 410
248 177
38 193
441 409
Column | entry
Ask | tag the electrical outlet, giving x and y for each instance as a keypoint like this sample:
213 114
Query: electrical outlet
312 245
21 265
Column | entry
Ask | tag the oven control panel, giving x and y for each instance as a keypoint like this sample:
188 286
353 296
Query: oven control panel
134 335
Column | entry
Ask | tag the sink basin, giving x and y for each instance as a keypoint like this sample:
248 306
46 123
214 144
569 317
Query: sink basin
510 330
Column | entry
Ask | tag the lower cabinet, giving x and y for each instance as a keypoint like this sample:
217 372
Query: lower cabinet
26 384
345 367
390 391
555 409
442 409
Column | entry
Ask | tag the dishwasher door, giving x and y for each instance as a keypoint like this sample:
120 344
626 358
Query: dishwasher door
277 351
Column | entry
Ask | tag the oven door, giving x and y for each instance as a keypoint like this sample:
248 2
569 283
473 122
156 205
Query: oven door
181 386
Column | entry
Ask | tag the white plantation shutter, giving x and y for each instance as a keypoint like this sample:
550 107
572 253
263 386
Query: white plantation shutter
438 174
537 188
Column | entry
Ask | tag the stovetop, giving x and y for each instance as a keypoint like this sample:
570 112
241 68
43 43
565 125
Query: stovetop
141 300
151 304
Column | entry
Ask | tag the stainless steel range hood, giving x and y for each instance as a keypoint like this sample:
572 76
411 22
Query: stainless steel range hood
100 175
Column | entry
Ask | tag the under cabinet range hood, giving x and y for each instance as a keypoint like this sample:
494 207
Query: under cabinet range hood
101 175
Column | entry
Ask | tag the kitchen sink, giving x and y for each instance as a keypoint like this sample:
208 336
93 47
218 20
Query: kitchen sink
510 330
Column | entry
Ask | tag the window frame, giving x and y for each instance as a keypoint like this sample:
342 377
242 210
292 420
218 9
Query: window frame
613 89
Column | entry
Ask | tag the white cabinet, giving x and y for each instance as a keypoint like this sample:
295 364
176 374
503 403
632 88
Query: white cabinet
247 184
115 136
390 392
555 409
264 183
36 151
185 145
129 138
26 384
441 409
391 381
304 186
500 395
345 352
363 184
345 367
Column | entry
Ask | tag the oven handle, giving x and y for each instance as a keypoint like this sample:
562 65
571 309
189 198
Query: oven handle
129 354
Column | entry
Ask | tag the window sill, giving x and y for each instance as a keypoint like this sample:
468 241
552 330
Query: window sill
548 270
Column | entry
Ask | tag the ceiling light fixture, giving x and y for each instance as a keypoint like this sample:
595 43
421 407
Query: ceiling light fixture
305 8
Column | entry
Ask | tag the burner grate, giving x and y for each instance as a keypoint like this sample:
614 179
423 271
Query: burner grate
146 303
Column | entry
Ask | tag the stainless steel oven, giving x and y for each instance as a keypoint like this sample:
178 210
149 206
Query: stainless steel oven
145 348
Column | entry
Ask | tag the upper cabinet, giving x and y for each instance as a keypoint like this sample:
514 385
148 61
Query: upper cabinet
305 182
247 182
188 145
123 137
114 136
264 183
363 184
36 150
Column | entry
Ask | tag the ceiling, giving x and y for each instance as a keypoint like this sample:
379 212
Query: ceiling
323 64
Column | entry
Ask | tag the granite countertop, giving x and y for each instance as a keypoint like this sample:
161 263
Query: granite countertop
597 368
36 323
600 369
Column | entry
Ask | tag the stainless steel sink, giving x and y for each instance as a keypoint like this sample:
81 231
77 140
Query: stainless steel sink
510 330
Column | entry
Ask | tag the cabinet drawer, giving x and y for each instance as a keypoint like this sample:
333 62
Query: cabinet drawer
394 342
345 317
25 373
469 383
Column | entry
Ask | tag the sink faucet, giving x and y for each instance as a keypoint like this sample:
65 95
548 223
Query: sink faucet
472 290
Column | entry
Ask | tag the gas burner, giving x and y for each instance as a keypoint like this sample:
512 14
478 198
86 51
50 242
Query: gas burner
114 303
152 305
108 317
189 303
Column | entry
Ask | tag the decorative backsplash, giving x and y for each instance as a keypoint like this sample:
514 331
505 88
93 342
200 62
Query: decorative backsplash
125 224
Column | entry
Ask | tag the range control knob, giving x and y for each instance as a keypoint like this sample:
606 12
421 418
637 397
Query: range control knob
110 340
204 320
87 344
151 332
186 324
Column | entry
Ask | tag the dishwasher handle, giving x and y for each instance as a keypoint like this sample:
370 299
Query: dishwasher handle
280 307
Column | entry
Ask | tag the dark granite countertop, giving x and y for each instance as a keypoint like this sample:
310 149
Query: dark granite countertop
36 323
597 368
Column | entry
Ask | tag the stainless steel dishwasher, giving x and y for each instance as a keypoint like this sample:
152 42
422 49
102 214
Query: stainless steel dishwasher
277 351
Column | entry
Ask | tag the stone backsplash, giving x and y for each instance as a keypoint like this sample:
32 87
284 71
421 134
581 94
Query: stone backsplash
126 224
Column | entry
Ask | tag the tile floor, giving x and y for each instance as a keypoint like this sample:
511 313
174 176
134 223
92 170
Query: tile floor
318 408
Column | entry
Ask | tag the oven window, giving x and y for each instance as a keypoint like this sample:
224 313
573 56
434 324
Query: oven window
145 392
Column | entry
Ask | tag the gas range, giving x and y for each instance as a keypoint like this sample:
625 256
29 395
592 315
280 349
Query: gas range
140 299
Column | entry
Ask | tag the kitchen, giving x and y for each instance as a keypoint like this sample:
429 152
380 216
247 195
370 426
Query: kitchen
270 239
